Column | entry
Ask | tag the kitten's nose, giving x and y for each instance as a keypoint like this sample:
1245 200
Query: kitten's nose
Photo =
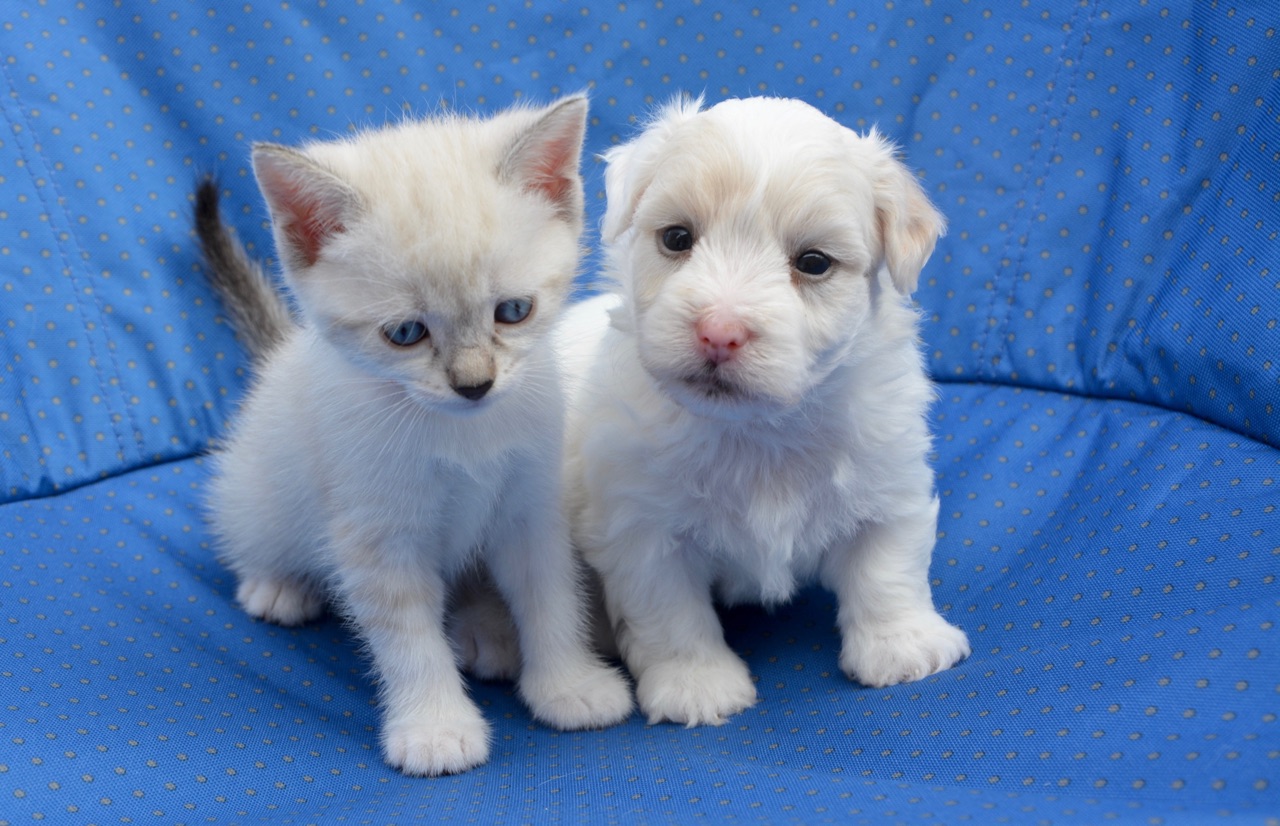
720 337
472 391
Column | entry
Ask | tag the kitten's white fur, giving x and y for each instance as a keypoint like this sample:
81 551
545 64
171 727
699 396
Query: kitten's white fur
360 471
804 456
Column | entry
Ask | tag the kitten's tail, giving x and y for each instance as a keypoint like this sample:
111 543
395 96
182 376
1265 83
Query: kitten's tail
257 310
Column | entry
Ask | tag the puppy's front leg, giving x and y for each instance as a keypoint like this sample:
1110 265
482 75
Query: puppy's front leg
430 726
561 680
892 633
659 600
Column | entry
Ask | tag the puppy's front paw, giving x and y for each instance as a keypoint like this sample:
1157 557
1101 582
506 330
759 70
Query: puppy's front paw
705 692
282 601
900 652
591 696
433 746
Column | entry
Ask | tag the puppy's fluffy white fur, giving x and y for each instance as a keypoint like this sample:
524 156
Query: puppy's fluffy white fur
799 453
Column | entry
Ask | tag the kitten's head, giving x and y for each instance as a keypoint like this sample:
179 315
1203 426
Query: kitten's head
434 253
748 240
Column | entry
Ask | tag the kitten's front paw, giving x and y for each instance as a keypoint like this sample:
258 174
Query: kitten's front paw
592 696
901 652
282 601
436 746
705 692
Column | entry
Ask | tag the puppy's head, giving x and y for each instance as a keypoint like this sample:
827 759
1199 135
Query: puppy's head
749 240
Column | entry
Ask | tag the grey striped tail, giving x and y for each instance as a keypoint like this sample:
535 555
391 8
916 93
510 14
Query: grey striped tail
257 310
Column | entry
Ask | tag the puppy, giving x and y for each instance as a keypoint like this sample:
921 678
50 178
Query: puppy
748 404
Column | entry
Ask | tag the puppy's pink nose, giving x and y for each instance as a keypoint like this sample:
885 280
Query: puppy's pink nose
720 337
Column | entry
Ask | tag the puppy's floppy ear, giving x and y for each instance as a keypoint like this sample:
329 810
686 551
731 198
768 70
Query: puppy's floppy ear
632 165
909 224
544 159
309 205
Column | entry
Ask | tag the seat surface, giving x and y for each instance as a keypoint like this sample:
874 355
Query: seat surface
1117 581
1101 318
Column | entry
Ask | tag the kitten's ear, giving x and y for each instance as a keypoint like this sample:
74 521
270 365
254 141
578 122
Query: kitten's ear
309 204
909 224
545 158
632 165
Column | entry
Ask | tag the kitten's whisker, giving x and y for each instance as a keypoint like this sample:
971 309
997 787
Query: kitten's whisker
410 414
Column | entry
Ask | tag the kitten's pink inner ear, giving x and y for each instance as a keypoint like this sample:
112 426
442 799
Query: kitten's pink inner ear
310 229
548 175
545 160
307 209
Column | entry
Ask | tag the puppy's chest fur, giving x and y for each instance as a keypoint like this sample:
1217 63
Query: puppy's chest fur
764 507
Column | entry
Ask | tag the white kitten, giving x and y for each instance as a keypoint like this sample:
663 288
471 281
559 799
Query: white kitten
754 418
409 428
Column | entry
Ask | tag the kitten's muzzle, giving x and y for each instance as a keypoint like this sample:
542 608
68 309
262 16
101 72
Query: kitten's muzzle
472 392
471 372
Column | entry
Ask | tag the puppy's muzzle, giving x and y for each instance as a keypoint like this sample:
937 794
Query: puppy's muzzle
721 337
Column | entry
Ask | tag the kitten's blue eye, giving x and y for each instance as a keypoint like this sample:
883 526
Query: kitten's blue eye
406 333
813 263
677 239
513 310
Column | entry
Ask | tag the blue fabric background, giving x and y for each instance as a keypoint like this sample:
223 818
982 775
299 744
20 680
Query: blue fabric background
1101 317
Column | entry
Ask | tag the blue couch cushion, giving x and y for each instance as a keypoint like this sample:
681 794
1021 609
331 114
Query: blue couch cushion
1113 564
1101 318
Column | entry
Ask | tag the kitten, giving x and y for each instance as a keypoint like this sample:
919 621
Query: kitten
748 407
408 429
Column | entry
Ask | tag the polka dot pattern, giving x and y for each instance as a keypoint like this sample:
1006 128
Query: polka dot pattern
1101 318
1123 170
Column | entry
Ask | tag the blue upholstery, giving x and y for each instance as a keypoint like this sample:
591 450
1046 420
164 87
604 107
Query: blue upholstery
1101 317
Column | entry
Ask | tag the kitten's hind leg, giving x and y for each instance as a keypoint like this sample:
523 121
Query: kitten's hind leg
281 600
481 630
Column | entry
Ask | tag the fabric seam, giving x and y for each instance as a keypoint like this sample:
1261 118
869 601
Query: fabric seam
991 350
59 207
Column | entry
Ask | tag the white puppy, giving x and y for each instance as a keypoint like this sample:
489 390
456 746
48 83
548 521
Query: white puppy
749 406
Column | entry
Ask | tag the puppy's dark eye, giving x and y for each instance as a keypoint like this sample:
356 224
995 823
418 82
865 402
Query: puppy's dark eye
513 310
677 239
406 333
813 263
